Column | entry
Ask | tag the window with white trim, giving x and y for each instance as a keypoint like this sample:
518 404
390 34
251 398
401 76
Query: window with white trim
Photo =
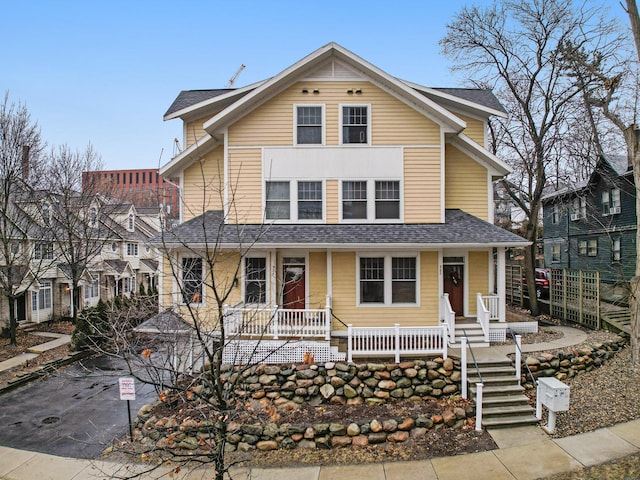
91 290
43 251
357 203
41 300
582 247
354 200
355 124
255 280
278 203
616 249
555 214
579 208
132 249
131 222
309 125
592 247
611 202
296 200
388 280
555 253
192 270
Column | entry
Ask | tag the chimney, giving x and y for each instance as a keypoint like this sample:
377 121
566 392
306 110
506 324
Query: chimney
25 162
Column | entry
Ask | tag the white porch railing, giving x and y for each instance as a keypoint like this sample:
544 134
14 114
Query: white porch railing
483 316
274 322
396 341
448 317
492 302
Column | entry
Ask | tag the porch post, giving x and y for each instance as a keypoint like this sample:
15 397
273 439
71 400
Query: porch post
501 284
327 321
349 343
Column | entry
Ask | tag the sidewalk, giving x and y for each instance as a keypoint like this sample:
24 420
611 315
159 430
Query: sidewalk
59 339
524 453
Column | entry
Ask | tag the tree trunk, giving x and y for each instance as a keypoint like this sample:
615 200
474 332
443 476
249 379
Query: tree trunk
13 321
632 137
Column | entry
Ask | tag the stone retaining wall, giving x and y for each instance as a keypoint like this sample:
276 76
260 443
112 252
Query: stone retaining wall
568 364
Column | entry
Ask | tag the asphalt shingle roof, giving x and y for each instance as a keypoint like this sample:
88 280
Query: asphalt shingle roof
459 228
476 95
187 98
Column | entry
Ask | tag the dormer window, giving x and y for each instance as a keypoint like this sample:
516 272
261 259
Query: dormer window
93 216
131 222
46 212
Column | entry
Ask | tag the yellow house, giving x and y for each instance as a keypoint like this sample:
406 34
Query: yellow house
335 191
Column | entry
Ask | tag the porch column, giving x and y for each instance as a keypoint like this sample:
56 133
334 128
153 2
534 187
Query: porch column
501 285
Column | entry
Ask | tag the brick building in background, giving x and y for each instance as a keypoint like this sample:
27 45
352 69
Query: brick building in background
145 188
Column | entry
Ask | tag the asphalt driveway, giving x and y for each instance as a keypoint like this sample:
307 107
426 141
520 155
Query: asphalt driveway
76 412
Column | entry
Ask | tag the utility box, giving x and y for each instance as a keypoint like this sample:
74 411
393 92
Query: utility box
553 394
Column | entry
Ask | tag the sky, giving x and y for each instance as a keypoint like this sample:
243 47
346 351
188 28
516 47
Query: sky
105 72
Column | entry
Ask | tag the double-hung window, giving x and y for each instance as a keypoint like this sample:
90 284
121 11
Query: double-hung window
611 202
555 214
387 199
278 203
43 251
616 250
309 125
582 247
255 280
192 270
132 249
355 124
354 200
306 203
309 200
555 253
357 203
592 247
41 300
388 280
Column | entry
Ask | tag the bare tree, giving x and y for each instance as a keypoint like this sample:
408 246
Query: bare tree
77 212
20 150
516 48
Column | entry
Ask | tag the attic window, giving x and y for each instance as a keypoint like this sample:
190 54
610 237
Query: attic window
93 216
309 125
131 222
355 124
46 212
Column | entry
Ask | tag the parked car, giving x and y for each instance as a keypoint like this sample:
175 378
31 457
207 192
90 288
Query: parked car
543 282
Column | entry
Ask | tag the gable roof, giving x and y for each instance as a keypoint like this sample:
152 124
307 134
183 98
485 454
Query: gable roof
459 229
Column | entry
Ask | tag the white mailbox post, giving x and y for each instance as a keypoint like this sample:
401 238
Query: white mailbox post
554 395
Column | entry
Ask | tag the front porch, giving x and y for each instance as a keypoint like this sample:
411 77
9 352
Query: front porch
281 335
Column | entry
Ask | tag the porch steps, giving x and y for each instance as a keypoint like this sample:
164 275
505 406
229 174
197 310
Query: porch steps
503 401
473 332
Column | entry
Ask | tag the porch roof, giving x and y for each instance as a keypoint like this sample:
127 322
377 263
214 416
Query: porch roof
459 230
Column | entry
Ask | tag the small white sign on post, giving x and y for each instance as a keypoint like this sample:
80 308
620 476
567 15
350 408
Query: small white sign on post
127 388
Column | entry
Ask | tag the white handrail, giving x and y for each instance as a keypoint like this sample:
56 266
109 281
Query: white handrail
492 303
448 316
276 322
482 316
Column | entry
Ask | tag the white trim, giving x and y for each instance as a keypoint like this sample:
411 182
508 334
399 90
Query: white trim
270 281
388 278
292 254
490 205
371 201
323 135
496 166
198 149
293 201
443 163
203 288
341 124
330 274
225 162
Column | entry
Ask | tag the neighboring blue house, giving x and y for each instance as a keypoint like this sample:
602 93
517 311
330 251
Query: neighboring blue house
592 225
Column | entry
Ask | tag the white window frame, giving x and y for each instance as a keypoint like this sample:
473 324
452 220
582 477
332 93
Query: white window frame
556 254
267 279
555 214
43 251
388 278
92 290
131 222
181 299
41 299
582 248
293 201
371 201
616 249
295 124
369 116
132 249
592 247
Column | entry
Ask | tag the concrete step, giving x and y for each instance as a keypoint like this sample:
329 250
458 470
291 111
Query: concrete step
497 390
474 345
508 410
504 401
492 371
509 421
489 380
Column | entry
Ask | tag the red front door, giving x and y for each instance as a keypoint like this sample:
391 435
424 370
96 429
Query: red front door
293 295
454 286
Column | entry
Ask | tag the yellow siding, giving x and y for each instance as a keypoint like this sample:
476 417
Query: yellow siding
344 296
195 131
392 121
224 265
478 276
421 185
203 184
332 201
245 185
466 184
474 130
317 279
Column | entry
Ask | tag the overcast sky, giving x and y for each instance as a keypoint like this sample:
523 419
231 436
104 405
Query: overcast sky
105 72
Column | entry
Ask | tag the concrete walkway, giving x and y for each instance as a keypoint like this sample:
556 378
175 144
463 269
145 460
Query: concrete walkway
523 453
59 340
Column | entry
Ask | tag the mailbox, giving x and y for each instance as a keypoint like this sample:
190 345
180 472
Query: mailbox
553 394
